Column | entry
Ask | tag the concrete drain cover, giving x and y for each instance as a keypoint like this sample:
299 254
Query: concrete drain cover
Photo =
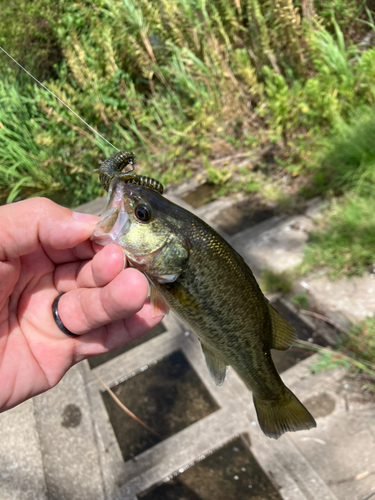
95 361
168 396
230 473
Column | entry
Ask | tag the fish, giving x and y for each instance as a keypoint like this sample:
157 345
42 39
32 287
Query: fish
195 272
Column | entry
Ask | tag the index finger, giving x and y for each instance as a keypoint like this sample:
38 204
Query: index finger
27 225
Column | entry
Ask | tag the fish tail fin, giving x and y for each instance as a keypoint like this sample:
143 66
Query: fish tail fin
283 415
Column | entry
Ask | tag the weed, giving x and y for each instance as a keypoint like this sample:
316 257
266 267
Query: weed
217 176
181 80
345 241
301 300
164 77
276 282
30 164
355 352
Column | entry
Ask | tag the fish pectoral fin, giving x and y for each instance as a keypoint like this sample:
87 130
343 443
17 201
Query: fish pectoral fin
283 334
183 296
159 306
216 366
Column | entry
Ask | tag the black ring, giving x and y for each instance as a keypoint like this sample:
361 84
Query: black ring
57 319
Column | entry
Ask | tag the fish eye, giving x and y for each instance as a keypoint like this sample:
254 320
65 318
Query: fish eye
143 212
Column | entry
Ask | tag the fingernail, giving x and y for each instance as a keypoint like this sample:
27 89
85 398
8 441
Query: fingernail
88 218
125 261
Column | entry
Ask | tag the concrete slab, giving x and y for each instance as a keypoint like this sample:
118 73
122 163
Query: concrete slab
21 466
178 201
275 244
67 441
352 297
278 244
211 211
342 447
183 188
288 456
227 427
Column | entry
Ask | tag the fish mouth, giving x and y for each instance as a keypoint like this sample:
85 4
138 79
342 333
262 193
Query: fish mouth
114 217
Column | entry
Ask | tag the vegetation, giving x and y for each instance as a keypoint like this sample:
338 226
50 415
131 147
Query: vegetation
185 81
301 300
345 240
355 353
182 82
272 282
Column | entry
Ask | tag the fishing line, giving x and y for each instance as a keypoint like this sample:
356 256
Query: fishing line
62 102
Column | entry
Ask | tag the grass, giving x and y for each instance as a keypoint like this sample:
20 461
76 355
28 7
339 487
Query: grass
21 155
344 241
31 162
301 300
348 159
179 81
344 244
272 282
355 353
182 82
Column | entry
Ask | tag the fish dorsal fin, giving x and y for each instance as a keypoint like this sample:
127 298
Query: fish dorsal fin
158 304
216 366
283 334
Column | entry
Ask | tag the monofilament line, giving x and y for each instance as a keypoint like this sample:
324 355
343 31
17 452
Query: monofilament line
62 102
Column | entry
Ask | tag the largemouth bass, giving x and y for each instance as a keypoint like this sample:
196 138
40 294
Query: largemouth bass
196 273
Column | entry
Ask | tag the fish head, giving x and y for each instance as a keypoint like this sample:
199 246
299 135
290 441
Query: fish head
139 221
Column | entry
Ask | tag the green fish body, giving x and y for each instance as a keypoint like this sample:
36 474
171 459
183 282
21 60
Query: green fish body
197 274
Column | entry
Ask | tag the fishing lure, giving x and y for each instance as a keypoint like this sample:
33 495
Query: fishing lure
114 166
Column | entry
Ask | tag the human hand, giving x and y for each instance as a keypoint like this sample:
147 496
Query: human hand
44 252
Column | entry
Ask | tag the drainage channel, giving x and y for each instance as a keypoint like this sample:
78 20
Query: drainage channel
237 215
168 396
231 472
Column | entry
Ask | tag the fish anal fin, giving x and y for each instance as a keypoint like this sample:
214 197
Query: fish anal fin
158 304
286 414
283 334
215 364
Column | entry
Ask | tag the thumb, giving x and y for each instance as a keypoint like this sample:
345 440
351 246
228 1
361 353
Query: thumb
27 225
